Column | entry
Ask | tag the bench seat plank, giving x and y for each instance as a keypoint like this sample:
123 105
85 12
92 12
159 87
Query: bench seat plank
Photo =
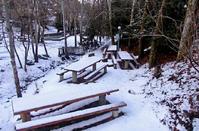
68 117
62 73
41 101
95 72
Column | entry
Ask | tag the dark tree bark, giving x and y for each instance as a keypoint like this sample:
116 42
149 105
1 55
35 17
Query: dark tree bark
12 49
155 41
110 21
141 49
187 33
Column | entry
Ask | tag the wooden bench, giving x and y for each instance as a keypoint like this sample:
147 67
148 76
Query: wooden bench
104 66
53 120
80 75
61 75
81 65
24 106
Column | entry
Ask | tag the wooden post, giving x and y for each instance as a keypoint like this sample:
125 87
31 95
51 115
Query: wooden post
102 100
115 113
94 67
105 69
115 66
61 77
126 64
74 74
25 116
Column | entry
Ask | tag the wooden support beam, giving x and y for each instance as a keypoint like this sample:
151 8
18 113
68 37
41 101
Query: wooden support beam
102 100
74 74
115 113
94 67
126 64
25 116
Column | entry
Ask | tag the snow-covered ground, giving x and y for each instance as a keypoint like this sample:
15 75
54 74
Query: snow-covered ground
148 99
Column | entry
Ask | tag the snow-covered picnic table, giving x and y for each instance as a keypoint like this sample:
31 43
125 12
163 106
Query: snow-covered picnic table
24 106
112 49
82 65
126 57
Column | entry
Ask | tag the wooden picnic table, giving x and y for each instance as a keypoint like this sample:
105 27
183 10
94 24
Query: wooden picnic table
24 106
126 57
112 49
82 65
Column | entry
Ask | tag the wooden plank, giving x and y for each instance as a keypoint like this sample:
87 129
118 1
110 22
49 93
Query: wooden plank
62 73
68 117
20 106
131 65
96 71
82 65
112 48
124 55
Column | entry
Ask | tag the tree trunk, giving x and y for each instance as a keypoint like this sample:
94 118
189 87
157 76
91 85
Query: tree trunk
81 22
110 21
37 26
26 52
12 49
132 11
64 28
187 33
141 48
75 31
155 42
42 41
19 60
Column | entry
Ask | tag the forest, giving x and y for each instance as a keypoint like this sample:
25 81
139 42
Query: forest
65 65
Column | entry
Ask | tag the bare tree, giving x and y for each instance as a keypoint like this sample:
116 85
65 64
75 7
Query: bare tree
187 33
132 11
81 21
154 46
12 48
110 20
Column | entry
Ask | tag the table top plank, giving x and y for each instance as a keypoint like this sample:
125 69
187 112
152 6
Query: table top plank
124 55
83 64
112 48
41 101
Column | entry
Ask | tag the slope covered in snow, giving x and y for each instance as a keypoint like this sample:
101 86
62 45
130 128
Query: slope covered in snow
152 104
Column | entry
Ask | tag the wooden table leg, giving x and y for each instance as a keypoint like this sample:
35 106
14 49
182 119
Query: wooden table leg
74 74
115 113
126 64
61 78
25 116
102 100
94 67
